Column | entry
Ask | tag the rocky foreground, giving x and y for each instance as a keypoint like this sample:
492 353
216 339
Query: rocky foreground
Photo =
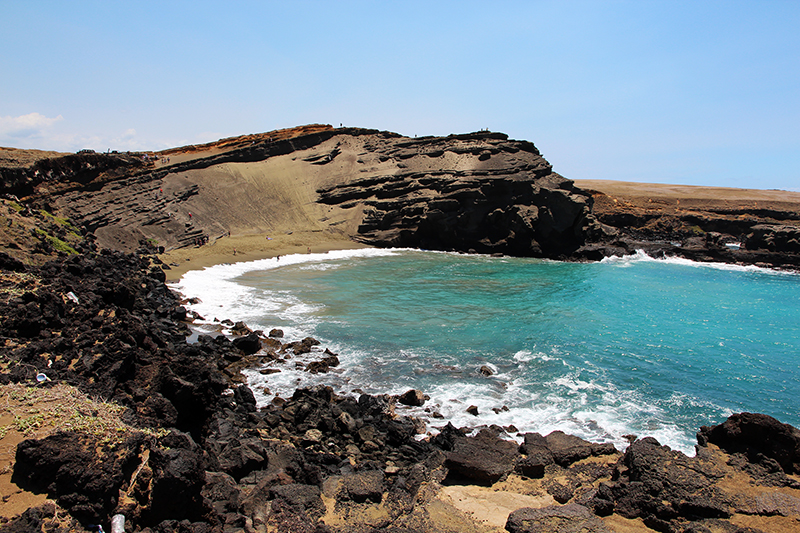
201 457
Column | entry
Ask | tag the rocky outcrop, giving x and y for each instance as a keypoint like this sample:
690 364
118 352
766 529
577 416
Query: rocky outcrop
760 437
732 229
509 201
572 518
51 175
478 191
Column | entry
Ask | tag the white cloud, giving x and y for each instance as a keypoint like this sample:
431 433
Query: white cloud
32 125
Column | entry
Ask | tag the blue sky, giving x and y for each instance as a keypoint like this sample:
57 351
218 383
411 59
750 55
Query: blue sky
694 92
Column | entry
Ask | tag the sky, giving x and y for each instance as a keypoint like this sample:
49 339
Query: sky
683 92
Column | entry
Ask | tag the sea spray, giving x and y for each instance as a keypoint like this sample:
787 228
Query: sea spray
631 345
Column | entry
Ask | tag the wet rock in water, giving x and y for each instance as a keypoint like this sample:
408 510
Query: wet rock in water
276 333
240 328
486 370
412 397
756 435
323 365
249 343
572 518
473 410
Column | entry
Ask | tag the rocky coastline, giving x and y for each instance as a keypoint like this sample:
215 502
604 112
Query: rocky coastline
202 457
77 308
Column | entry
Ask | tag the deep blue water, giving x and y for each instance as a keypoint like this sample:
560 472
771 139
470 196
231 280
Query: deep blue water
600 350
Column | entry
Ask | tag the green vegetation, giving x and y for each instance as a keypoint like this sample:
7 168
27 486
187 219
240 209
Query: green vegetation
64 408
15 206
696 230
56 243
64 222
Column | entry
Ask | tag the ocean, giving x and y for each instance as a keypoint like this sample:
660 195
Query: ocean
625 346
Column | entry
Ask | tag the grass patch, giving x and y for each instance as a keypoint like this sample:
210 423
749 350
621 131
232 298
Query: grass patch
56 243
15 206
17 283
39 411
696 230
58 220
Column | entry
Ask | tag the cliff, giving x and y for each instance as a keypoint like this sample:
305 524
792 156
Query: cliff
478 191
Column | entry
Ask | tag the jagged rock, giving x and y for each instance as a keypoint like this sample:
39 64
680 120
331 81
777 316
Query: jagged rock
558 447
413 397
663 484
570 518
773 237
249 344
244 396
81 474
221 490
756 434
483 459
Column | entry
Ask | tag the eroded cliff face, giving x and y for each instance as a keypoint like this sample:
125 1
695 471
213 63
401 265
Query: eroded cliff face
475 192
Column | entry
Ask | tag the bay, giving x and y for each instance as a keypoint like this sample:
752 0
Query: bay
601 350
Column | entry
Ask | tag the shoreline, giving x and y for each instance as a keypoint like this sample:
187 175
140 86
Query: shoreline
285 388
250 247
317 460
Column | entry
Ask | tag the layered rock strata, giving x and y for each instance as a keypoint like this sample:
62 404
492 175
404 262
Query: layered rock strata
479 191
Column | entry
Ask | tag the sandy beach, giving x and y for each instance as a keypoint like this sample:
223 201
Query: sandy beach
252 247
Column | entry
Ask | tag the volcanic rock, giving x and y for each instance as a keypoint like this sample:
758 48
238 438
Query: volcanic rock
412 397
483 459
756 435
572 518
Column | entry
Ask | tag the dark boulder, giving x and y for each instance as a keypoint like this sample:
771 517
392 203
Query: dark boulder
244 396
663 485
249 343
483 459
178 477
82 474
363 486
412 397
572 518
756 435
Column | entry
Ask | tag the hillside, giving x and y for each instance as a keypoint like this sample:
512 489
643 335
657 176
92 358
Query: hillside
321 187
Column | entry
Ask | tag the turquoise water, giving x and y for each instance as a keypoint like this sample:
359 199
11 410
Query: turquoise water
600 350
